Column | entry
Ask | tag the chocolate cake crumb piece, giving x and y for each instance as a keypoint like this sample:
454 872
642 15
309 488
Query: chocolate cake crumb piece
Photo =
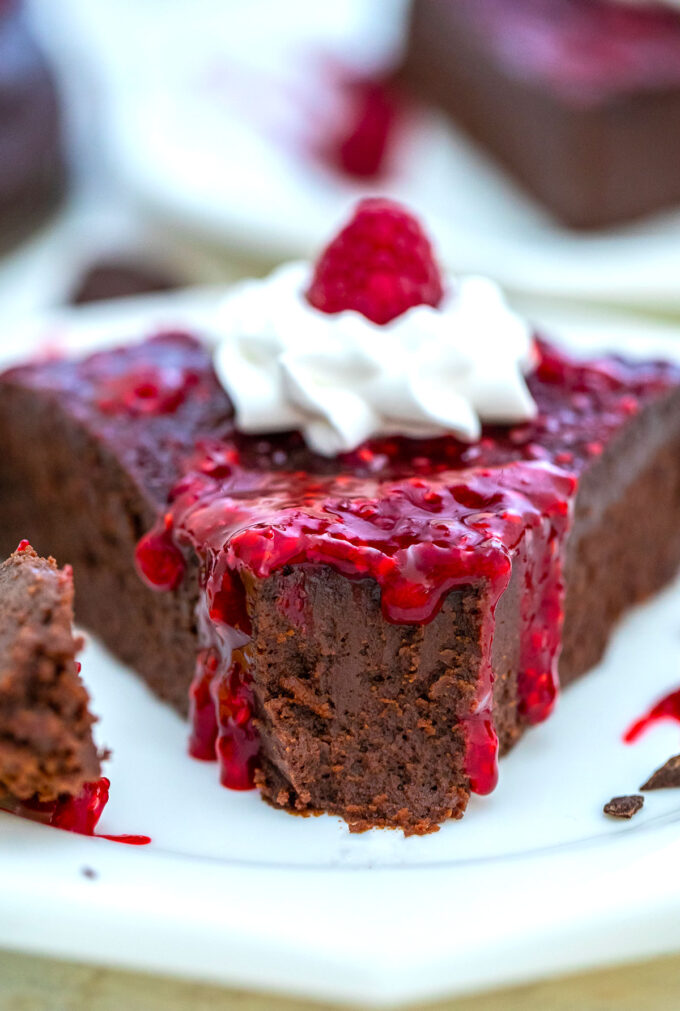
46 746
89 873
624 807
666 777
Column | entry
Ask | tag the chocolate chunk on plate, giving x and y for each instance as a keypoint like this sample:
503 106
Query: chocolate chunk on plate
624 807
665 777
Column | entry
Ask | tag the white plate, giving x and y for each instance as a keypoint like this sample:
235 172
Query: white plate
202 126
534 880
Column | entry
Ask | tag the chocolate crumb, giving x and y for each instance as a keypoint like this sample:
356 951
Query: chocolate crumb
624 807
89 872
665 777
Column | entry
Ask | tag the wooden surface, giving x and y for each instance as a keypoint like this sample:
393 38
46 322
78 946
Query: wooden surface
34 984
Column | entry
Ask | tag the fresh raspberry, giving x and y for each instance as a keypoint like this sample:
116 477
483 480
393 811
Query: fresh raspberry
380 265
364 141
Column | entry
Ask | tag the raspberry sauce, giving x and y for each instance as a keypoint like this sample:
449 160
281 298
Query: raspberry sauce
420 518
159 562
361 142
146 391
79 814
667 708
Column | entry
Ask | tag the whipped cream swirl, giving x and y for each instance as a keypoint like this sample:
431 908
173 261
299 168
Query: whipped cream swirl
341 379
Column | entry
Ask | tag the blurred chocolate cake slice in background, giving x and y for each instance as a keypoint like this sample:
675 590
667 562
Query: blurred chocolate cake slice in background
32 162
578 99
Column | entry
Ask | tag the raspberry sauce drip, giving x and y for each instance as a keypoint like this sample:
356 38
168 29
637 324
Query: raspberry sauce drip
221 698
78 814
203 707
81 814
420 518
159 561
238 744
667 708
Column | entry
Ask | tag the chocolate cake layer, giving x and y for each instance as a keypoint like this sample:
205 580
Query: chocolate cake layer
578 99
356 714
46 747
91 482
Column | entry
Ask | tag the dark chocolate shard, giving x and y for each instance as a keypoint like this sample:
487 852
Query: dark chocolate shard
624 807
666 777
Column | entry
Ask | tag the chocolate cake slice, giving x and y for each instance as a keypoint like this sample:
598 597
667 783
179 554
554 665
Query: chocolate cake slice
363 568
578 99
46 746
367 627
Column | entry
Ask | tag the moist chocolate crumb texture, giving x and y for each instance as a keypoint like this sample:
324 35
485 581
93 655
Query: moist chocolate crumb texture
578 99
362 537
46 747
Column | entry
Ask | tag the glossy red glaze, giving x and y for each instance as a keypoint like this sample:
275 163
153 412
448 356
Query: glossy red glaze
79 814
159 561
482 754
146 391
202 707
667 708
238 742
127 840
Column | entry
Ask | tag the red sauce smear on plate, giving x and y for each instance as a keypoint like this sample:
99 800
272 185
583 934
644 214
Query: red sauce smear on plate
667 708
